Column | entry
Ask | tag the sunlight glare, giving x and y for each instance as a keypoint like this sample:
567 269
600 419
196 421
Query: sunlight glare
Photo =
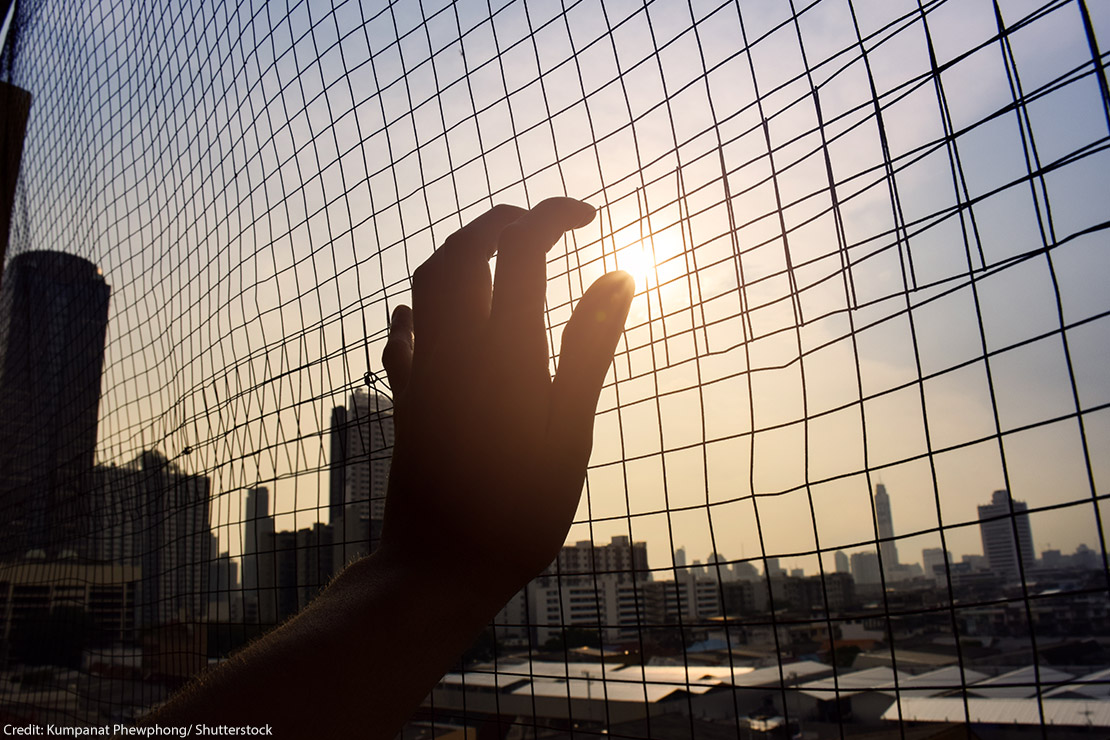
635 259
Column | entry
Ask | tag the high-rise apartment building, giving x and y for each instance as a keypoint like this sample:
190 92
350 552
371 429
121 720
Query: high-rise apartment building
337 466
934 562
621 558
174 541
258 530
361 451
53 321
151 514
998 523
369 451
884 528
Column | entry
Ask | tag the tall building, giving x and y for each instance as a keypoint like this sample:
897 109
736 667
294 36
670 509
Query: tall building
362 448
152 515
292 567
884 528
53 321
745 571
680 557
258 528
865 568
15 108
842 563
719 568
277 577
369 451
621 558
933 560
997 524
618 609
337 467
315 565
225 598
174 541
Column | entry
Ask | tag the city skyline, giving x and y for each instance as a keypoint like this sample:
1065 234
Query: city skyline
845 476
921 348
795 339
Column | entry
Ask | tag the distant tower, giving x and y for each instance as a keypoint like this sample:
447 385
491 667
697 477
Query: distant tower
337 481
842 563
53 321
996 527
680 557
258 533
884 525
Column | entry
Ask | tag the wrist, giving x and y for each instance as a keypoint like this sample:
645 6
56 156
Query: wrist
455 587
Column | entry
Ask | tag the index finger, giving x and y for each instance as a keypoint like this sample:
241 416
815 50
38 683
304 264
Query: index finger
520 285
451 290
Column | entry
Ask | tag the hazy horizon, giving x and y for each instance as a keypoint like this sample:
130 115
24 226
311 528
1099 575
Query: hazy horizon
851 268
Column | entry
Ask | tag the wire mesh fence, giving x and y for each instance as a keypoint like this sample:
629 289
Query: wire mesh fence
845 475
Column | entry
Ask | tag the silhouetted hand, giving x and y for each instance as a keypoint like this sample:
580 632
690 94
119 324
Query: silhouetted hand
490 452
487 470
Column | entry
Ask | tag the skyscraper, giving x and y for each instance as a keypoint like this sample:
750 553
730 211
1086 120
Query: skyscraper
369 451
842 564
997 524
258 530
174 541
884 527
152 515
337 468
365 430
53 321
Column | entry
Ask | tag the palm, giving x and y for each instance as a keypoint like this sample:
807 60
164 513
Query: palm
502 448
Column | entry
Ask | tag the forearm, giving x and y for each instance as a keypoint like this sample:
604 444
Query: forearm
356 662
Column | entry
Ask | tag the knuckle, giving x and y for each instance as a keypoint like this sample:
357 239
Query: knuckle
454 242
504 210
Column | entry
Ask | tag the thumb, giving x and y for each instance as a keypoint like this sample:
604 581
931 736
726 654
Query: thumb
589 340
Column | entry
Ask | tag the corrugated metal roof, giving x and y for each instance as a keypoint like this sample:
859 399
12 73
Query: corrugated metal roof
1062 712
481 678
938 681
596 690
677 675
1094 685
717 675
879 678
791 672
1019 684
552 669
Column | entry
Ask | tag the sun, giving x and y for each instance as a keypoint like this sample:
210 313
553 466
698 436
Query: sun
635 259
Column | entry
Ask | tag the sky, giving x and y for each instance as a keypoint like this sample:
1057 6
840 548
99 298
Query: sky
818 308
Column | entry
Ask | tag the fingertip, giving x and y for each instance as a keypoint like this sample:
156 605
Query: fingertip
615 290
401 319
585 213
623 283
